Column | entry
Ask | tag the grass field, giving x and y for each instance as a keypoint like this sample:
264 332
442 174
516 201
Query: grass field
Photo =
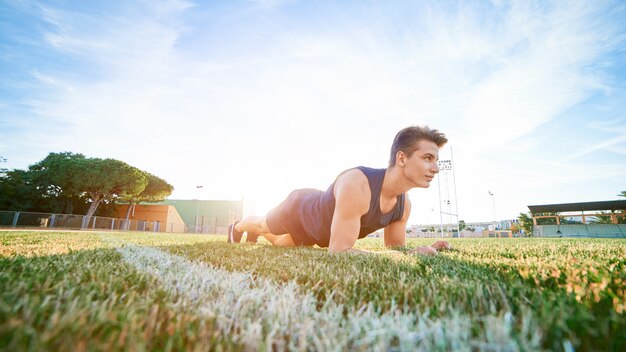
111 291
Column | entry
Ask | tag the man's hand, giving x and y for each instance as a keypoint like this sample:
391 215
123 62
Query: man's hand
363 251
423 251
432 250
441 245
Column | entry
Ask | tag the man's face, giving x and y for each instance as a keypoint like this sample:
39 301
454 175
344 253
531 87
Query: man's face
422 167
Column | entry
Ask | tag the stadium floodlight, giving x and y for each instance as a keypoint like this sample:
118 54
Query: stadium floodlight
440 211
495 219
446 165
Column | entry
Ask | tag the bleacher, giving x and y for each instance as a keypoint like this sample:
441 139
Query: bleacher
606 230
582 230
585 215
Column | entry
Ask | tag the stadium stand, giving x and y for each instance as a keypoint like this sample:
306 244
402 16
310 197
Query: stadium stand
581 230
588 212
606 230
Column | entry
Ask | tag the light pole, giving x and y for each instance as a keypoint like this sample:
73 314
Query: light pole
495 219
440 211
434 217
456 201
445 166
198 208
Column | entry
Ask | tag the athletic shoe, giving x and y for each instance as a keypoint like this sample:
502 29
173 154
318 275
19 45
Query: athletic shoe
234 236
252 237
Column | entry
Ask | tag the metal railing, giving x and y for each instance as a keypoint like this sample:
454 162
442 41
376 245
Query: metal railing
19 219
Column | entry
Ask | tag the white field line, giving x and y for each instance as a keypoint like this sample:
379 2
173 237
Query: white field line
258 312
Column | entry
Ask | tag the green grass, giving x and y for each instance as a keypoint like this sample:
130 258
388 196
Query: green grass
96 291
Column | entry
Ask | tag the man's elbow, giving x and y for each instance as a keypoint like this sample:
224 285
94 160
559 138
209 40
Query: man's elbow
339 249
396 243
340 246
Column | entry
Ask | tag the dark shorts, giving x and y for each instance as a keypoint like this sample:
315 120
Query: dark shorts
284 218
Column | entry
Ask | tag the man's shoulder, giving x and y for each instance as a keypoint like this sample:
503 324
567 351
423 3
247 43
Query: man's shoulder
352 191
352 183
371 170
352 176
363 171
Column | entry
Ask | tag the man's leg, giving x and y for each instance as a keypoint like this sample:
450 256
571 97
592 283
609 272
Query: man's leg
250 224
280 240
258 225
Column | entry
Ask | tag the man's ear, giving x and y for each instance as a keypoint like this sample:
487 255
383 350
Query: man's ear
400 158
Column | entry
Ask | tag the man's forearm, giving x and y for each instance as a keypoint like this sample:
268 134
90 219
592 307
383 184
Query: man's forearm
363 251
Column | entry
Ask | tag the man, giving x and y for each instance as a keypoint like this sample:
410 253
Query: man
359 202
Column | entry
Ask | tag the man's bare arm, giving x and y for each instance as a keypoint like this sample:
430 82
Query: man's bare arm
352 198
395 233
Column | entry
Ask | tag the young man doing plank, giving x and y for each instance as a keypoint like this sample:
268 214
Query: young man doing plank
359 202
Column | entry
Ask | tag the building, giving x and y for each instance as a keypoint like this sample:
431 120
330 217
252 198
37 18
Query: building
207 216
152 217
184 215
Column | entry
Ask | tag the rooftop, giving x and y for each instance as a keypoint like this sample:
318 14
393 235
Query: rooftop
611 205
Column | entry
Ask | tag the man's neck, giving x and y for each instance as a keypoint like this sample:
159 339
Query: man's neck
393 184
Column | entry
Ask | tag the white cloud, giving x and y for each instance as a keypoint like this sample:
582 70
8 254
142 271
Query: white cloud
606 144
270 3
543 69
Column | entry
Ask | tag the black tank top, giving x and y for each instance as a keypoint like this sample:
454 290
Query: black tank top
316 209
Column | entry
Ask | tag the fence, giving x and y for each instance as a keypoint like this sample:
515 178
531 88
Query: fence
17 219
212 224
463 234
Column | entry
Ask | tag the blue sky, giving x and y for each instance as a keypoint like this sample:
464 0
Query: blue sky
255 98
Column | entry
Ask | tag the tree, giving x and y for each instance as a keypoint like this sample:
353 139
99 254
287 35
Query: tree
2 170
27 191
71 176
526 223
56 178
105 180
156 190
17 191
72 183
462 225
601 219
549 221
621 218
